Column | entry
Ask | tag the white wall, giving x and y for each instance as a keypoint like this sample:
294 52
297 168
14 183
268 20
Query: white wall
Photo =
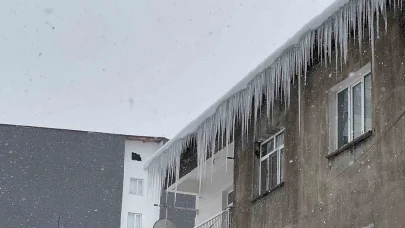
209 201
134 169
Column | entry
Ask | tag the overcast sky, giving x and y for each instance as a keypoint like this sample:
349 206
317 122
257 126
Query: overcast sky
141 67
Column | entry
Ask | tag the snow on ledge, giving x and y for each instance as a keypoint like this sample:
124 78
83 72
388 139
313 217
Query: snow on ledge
192 126
332 27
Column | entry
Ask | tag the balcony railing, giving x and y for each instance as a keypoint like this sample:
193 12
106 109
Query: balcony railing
222 220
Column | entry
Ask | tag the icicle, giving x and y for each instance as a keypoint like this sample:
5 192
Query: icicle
273 82
370 10
336 46
167 193
359 26
212 155
227 135
178 155
299 104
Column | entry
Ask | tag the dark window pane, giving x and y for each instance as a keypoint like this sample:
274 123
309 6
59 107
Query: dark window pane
273 170
280 140
270 145
267 147
343 114
264 176
367 102
231 197
357 121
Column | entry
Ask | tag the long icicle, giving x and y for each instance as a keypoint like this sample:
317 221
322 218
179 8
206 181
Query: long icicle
273 83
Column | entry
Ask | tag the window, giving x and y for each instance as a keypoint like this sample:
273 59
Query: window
271 162
136 157
230 198
352 108
136 186
134 220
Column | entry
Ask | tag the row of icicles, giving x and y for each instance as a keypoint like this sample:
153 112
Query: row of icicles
353 19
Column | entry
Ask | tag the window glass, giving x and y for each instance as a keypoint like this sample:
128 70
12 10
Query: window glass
134 220
280 140
132 186
138 219
231 197
131 220
357 109
343 115
136 186
273 173
367 102
267 147
270 167
350 109
140 187
270 145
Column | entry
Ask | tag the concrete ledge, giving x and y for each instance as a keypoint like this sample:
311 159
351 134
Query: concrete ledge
350 144
264 195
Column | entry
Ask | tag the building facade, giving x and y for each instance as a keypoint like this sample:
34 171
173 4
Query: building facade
178 208
138 207
329 151
213 196
337 160
65 178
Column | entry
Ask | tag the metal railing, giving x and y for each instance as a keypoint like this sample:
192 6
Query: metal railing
222 220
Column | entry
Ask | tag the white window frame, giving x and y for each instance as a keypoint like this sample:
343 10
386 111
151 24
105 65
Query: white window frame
275 150
137 181
136 215
353 80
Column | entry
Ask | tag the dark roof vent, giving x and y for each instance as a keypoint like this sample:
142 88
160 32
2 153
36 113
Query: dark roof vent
136 157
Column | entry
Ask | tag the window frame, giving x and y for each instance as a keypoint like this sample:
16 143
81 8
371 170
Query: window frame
227 198
350 122
137 180
136 215
267 156
349 83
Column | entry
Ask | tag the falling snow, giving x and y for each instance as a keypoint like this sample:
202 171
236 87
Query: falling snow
272 78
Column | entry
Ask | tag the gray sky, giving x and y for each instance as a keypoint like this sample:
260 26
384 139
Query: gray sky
133 67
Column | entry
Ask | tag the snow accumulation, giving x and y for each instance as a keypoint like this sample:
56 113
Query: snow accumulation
334 24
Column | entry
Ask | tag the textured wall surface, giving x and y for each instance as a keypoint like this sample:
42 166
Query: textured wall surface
58 178
142 204
181 218
361 187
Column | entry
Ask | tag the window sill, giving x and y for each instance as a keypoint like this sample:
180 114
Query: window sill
133 194
350 144
264 195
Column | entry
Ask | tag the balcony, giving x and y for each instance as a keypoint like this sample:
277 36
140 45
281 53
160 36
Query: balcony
212 186
221 220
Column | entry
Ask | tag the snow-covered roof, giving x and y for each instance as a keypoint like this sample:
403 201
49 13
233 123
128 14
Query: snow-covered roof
278 70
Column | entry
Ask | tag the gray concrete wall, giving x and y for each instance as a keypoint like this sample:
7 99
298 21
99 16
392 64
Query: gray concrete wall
243 177
181 218
58 178
364 186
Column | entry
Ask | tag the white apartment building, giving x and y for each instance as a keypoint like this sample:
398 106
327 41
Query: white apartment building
138 210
